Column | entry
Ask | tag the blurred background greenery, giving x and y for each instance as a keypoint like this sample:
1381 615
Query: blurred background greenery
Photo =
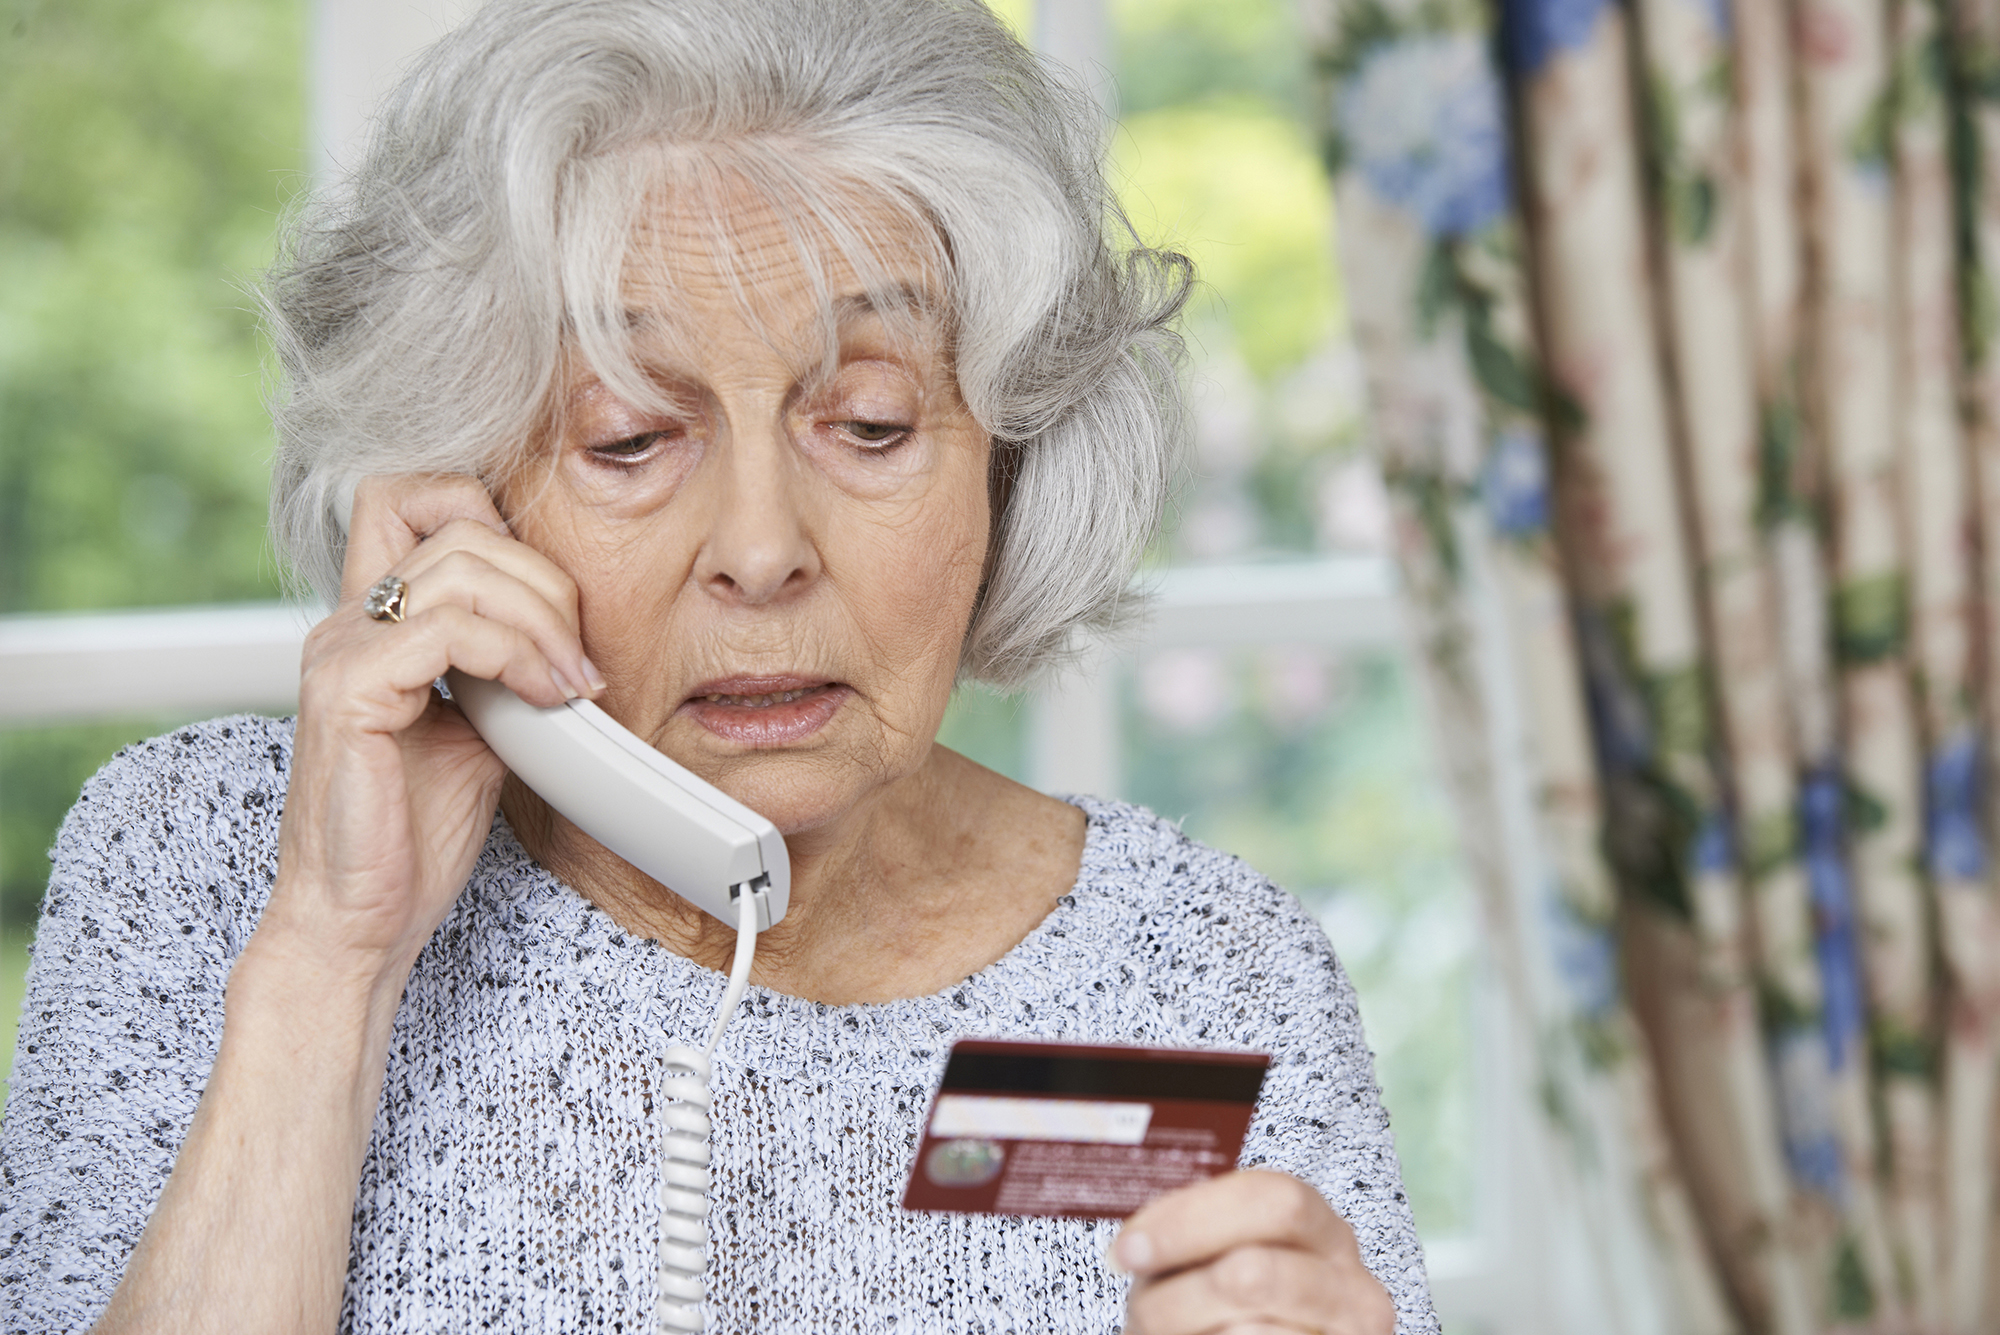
149 149
146 152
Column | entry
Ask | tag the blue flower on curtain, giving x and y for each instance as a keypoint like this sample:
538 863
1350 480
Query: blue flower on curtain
1822 798
1621 728
1533 30
1715 846
1955 847
1515 484
1425 121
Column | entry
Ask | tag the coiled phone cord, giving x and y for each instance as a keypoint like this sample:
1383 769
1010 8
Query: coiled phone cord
684 1144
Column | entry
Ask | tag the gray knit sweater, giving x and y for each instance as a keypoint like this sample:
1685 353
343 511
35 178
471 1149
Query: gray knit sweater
511 1180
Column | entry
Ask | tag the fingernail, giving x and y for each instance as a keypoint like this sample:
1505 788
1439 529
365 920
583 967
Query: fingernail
1131 1252
562 683
592 675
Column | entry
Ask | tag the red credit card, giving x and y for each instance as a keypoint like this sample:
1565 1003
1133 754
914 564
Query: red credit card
1089 1132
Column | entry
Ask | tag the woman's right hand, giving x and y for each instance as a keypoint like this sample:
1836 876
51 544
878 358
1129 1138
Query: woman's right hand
392 792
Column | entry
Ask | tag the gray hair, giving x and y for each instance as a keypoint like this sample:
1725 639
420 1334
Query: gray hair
423 309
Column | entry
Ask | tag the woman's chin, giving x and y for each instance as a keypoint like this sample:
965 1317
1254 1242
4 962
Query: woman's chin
808 807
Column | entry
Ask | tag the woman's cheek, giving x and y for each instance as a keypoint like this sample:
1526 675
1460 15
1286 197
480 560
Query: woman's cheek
940 560
899 472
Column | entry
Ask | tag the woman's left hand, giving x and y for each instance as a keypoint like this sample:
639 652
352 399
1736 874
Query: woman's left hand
1244 1254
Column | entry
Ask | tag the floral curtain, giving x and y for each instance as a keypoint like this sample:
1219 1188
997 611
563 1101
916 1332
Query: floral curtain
1679 322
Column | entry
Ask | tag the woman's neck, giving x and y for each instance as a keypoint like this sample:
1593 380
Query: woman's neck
937 876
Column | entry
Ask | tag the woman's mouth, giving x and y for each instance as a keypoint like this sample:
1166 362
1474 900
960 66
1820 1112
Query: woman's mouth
765 711
758 701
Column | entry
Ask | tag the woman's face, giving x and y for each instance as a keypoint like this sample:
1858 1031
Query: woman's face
775 577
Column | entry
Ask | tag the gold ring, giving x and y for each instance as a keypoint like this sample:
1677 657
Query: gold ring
388 599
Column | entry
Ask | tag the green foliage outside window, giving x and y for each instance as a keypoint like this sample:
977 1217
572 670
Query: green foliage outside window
1239 187
1214 154
147 151
1174 53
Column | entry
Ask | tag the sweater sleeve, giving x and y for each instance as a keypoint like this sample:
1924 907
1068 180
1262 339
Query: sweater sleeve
159 873
1320 1117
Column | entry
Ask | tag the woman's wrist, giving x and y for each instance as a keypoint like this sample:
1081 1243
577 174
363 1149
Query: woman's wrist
306 928
329 986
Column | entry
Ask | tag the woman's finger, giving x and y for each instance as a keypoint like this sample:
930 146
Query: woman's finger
458 577
450 544
1241 1209
392 515
501 551
387 670
1280 1286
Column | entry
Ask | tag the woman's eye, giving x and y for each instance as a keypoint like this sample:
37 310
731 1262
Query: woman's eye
875 433
629 449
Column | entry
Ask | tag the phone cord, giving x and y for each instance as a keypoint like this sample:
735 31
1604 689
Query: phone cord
684 1145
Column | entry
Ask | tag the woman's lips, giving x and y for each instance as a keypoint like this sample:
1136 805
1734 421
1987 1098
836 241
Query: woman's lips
765 711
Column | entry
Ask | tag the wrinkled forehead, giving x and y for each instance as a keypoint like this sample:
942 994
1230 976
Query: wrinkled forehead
804 263
797 289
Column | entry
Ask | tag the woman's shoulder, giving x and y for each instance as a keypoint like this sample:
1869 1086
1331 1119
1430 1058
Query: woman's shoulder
1154 865
196 807
1204 919
227 772
160 872
176 765
1215 955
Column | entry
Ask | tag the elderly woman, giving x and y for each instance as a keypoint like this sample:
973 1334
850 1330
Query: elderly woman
758 369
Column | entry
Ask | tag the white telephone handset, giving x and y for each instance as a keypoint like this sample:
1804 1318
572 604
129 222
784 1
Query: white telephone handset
693 838
679 829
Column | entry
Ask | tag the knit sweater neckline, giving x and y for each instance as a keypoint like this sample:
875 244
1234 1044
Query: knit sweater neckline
674 992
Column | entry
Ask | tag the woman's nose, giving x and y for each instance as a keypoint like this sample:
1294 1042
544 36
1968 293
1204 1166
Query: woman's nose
759 548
